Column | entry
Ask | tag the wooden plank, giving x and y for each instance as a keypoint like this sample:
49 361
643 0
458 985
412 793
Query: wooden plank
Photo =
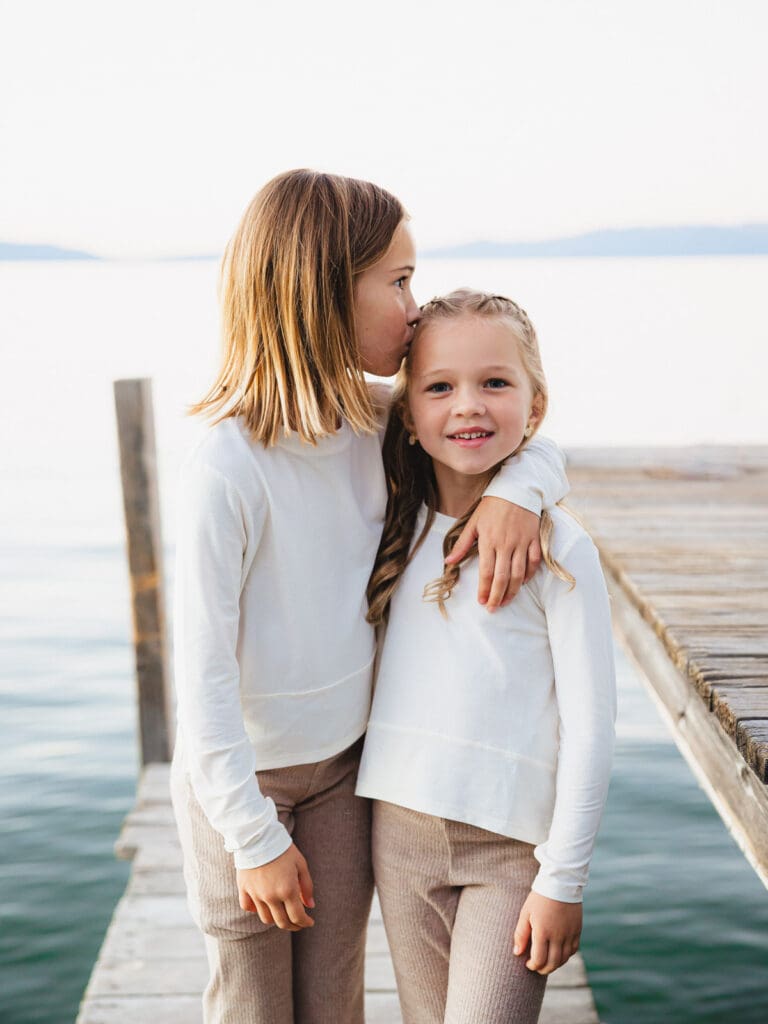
138 470
731 704
752 741
737 793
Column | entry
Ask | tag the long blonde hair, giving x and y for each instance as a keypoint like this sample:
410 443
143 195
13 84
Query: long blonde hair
410 476
290 352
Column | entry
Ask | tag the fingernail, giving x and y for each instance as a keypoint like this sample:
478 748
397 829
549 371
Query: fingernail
516 950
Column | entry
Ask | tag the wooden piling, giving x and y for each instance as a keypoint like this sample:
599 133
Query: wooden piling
138 469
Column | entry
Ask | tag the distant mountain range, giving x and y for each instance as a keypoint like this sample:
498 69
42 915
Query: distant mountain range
691 240
10 251
694 240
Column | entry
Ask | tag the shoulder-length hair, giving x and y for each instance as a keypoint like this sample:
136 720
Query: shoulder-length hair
410 477
291 360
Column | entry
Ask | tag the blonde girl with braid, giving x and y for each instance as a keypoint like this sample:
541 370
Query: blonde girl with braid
281 510
490 738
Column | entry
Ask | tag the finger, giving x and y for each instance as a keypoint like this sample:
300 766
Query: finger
534 560
280 917
246 903
500 582
554 958
486 564
522 935
297 914
306 886
539 951
516 577
463 545
264 913
569 948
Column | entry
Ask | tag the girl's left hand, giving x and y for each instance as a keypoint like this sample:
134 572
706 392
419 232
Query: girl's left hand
553 929
508 549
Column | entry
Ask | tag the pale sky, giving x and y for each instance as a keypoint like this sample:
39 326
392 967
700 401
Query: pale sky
144 128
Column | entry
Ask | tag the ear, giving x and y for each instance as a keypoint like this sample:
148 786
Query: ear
537 410
404 411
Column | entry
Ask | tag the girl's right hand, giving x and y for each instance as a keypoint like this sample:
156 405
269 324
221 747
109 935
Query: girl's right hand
278 891
550 930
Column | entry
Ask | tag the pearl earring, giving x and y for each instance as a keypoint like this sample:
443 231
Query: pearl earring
528 431
412 439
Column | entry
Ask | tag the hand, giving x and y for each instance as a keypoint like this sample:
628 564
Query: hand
553 929
508 549
278 891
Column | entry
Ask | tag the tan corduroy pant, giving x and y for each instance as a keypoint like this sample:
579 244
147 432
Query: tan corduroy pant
450 897
260 974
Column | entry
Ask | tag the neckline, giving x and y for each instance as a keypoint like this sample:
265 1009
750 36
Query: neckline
441 521
328 444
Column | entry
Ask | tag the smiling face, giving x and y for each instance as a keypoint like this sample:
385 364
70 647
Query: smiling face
469 400
385 309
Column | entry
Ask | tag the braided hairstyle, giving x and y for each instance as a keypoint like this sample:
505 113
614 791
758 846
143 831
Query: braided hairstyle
410 477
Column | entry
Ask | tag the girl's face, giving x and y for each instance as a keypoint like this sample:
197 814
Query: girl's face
385 310
469 396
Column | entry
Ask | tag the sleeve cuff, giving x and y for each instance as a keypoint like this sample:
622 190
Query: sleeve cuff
521 496
562 891
274 842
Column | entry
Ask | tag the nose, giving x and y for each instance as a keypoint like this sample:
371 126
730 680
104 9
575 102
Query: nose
412 312
467 401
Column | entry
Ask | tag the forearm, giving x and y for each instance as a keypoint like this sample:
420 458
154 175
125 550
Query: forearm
535 478
582 787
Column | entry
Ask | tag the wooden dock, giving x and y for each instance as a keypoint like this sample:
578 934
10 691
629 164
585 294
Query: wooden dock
683 536
152 964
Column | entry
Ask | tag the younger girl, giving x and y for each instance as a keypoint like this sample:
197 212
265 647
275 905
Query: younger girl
490 738
281 511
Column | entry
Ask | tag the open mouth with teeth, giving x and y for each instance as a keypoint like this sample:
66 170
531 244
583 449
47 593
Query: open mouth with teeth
470 438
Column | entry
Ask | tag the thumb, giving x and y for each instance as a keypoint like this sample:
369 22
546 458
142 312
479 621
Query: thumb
522 934
306 887
463 545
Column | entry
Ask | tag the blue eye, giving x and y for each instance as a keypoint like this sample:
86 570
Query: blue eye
440 388
497 383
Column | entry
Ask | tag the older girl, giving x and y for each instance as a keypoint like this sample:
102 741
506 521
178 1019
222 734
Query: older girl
281 512
489 743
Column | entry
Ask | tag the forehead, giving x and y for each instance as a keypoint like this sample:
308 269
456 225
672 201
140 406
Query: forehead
401 251
465 342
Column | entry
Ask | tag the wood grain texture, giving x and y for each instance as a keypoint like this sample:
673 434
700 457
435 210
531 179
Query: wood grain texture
138 471
683 536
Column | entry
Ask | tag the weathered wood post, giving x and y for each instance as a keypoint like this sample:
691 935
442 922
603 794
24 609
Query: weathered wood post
138 469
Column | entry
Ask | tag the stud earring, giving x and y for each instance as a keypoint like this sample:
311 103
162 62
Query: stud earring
528 431
412 439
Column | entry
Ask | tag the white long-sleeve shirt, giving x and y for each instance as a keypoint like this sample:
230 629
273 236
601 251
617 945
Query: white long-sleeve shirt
503 721
273 656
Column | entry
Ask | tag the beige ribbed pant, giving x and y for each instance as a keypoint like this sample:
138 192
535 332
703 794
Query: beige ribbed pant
258 973
450 896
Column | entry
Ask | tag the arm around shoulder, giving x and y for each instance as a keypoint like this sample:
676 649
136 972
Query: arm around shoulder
535 478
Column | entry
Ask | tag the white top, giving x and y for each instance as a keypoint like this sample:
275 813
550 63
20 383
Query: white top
504 721
273 656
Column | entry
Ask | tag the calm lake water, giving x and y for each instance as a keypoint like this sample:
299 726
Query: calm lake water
637 352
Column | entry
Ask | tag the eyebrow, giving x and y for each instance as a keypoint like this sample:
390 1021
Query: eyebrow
509 371
395 270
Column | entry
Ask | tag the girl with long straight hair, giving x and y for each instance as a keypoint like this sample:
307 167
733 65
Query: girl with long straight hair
281 510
